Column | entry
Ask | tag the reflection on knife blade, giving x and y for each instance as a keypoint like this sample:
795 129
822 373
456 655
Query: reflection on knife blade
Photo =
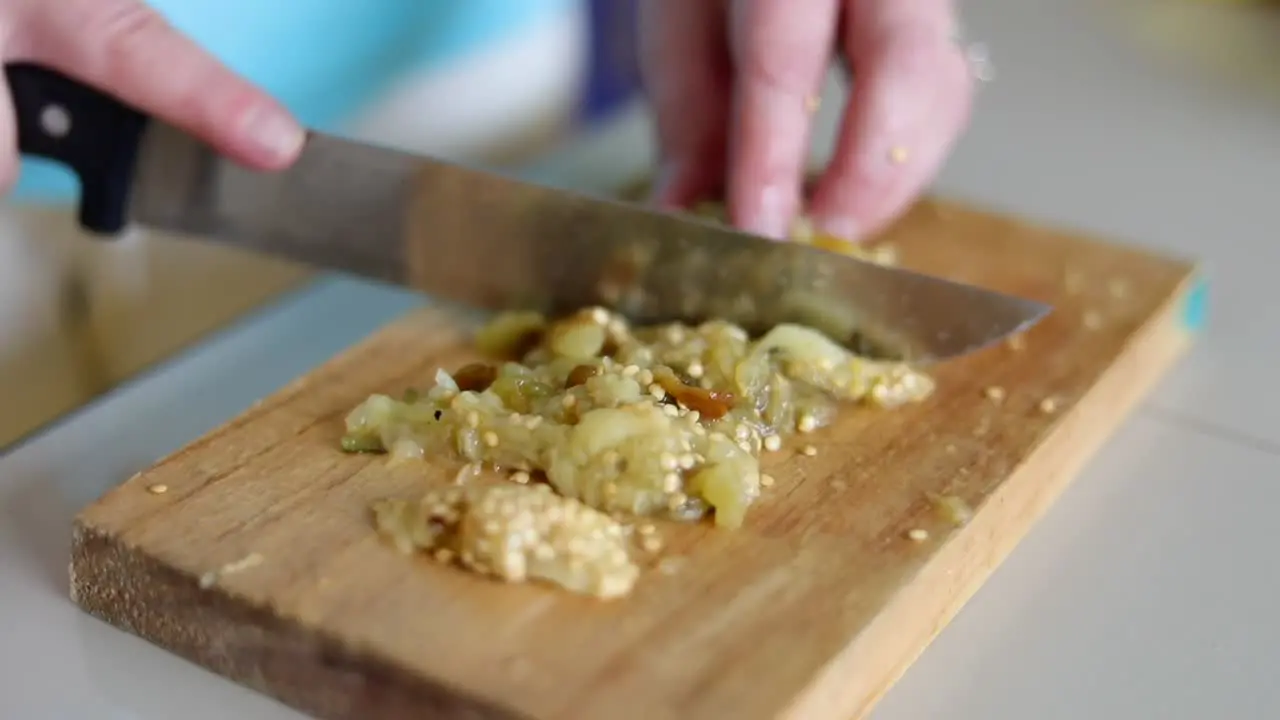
759 287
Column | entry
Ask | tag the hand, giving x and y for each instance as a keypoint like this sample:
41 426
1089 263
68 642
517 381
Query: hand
124 48
733 83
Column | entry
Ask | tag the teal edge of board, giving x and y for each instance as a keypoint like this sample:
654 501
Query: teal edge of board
1195 307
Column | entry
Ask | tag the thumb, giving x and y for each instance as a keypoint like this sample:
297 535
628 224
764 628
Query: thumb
125 48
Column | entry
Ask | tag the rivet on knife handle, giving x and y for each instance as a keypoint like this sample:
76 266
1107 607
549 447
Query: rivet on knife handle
89 132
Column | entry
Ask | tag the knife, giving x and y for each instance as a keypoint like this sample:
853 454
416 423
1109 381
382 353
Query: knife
486 241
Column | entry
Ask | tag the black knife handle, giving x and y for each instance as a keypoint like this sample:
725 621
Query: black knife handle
91 133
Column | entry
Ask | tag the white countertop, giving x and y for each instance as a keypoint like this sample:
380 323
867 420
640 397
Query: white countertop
1143 593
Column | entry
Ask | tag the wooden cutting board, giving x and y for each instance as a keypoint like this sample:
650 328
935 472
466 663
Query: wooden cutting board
258 559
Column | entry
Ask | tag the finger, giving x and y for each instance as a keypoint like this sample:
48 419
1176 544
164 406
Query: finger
9 159
781 54
129 50
684 63
911 99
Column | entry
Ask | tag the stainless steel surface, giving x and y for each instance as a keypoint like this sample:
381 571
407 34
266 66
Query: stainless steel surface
341 206
487 240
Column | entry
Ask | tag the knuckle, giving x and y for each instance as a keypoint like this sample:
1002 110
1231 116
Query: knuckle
954 86
932 20
765 72
128 29
781 54
141 54
927 66
919 51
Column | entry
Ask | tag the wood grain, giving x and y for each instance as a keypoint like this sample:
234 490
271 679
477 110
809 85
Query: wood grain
812 610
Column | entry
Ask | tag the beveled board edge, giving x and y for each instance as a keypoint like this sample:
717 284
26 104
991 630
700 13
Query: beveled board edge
129 589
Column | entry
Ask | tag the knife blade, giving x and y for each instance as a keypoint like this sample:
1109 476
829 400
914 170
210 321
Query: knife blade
485 240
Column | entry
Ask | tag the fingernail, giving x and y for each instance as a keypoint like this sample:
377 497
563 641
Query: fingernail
840 226
772 218
276 135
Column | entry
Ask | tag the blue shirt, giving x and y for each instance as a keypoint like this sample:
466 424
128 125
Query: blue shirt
326 59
